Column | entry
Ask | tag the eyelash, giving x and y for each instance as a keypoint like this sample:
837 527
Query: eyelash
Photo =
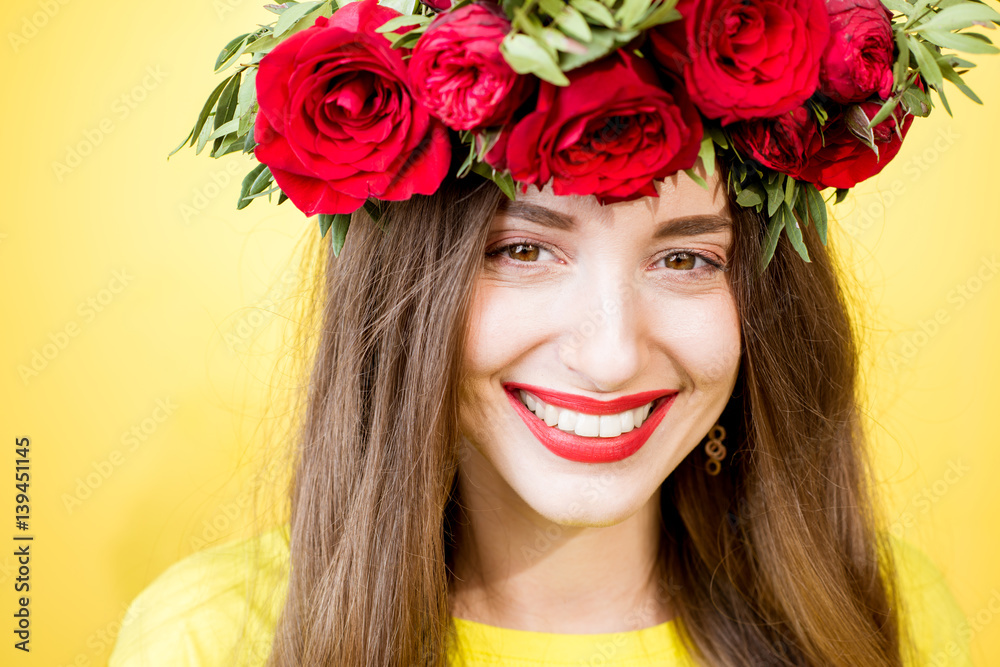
497 253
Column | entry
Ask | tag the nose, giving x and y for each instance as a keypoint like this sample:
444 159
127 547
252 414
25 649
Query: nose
605 341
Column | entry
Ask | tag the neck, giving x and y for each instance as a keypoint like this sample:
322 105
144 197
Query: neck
516 569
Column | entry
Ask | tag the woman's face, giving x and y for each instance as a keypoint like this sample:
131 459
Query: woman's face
609 316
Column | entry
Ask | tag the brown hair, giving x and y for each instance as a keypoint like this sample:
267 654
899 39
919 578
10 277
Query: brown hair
777 561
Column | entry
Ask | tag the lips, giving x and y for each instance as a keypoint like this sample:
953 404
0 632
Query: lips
591 450
591 406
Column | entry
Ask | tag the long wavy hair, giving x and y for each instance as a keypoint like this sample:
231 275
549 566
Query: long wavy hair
778 560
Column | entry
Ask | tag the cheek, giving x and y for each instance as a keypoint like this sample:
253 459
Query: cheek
502 323
702 335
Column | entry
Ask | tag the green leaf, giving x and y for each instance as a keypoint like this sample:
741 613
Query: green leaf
227 108
325 222
264 179
857 123
402 22
502 179
817 209
902 64
958 16
793 231
265 193
228 101
341 221
694 176
898 6
602 43
231 145
248 182
231 50
571 22
203 138
664 13
630 11
291 16
707 154
561 42
595 10
203 116
750 196
915 101
841 195
506 184
225 129
775 193
959 41
887 108
927 62
790 191
951 75
774 226
718 135
527 56
551 7
250 143
248 93
374 209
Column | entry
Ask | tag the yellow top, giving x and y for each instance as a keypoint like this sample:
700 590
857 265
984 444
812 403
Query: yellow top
196 613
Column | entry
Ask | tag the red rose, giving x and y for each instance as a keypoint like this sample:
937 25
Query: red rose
859 58
839 159
778 143
337 122
459 74
610 133
437 5
746 59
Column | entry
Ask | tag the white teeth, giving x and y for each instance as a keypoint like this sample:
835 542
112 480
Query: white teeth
581 423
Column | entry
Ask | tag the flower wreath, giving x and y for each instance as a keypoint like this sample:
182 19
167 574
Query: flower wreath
354 103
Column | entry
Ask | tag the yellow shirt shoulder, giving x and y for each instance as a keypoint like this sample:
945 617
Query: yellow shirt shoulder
220 607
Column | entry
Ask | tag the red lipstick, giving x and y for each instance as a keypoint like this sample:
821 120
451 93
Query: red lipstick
584 449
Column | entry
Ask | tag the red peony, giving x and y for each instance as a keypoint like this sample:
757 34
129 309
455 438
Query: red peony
610 133
839 159
779 143
337 121
459 74
858 60
745 59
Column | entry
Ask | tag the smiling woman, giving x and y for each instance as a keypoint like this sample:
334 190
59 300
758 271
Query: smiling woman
500 458
584 389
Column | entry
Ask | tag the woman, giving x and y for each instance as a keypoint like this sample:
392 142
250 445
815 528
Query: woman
426 491
577 425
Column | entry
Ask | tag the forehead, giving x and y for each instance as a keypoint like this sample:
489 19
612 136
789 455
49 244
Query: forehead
678 196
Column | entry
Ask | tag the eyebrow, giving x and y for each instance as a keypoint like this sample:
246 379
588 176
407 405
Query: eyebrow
691 225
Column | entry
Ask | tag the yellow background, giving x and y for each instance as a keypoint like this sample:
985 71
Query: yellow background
137 281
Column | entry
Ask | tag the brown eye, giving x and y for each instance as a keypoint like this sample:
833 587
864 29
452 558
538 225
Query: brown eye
683 261
522 252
